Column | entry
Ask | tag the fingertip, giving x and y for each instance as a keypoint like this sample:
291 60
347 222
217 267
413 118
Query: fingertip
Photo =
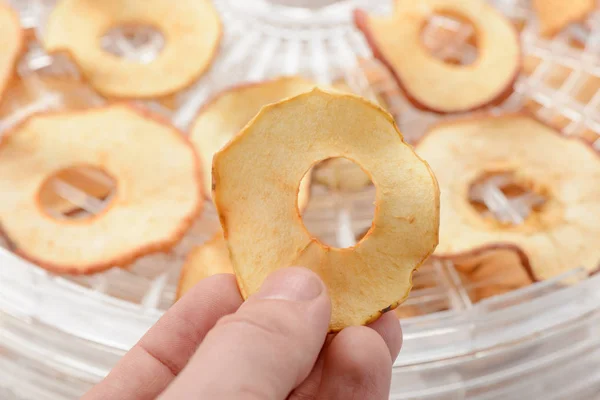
357 363
292 283
268 346
389 328
150 366
358 349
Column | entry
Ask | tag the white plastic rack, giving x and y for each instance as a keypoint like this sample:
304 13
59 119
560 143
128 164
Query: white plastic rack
59 335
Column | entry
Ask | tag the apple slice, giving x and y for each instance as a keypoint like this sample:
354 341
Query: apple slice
208 259
153 206
492 271
430 83
562 234
39 93
229 111
256 178
555 15
12 40
192 30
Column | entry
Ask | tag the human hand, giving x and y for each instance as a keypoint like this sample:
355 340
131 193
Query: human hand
274 346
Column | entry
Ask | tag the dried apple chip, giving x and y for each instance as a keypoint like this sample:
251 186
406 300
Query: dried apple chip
229 111
192 30
561 233
492 271
38 93
555 15
158 191
35 93
256 177
208 259
11 43
430 83
64 195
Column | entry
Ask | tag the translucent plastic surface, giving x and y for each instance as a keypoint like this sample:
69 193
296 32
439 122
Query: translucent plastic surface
60 334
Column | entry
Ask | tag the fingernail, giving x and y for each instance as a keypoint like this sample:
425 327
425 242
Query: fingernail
293 283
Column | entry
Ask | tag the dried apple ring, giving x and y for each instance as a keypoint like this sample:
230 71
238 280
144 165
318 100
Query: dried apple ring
192 31
430 83
208 259
559 235
158 191
256 176
228 112
11 43
492 271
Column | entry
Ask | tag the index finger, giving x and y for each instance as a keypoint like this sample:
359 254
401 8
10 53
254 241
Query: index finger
267 348
150 366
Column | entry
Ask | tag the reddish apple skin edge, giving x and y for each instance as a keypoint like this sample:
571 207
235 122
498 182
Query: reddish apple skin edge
500 245
361 22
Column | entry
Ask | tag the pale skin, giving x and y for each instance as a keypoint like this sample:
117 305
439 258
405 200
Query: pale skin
274 346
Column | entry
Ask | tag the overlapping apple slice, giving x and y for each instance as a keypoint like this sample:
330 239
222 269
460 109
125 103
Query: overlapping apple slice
430 83
208 259
229 111
561 233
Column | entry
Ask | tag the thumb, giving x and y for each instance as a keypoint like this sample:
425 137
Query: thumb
264 350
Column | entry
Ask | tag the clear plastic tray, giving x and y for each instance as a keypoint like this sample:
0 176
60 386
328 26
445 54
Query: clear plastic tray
59 335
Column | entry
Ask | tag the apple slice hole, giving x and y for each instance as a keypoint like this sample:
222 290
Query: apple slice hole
340 202
450 38
76 193
134 42
503 196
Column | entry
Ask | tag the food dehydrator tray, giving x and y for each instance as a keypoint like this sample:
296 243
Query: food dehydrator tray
59 334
